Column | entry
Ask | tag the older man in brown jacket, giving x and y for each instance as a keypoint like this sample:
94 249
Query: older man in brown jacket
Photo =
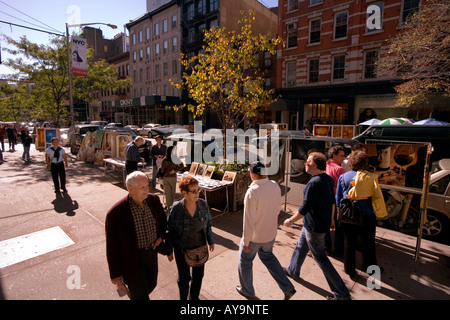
135 228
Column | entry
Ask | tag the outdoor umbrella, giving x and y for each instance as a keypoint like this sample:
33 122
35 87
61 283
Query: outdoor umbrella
369 122
431 121
394 121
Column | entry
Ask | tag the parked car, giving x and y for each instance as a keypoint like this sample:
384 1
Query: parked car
77 133
114 125
100 123
132 127
145 131
437 225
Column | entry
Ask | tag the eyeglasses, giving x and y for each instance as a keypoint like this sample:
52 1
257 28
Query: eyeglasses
197 191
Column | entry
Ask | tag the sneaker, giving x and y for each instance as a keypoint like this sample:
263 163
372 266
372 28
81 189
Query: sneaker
289 294
239 290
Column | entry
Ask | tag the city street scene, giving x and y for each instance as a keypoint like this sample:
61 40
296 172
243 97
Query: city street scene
231 150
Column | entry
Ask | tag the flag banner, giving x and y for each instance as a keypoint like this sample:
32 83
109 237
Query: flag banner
79 47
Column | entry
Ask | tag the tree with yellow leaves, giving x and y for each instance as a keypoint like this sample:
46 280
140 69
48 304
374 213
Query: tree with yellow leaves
224 77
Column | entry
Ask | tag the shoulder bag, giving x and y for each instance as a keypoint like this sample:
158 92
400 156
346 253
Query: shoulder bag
198 256
350 212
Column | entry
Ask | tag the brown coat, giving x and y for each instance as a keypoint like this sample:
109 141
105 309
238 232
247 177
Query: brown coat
121 243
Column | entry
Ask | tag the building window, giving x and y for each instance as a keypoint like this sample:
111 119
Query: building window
292 5
201 7
213 23
291 35
291 73
313 74
190 11
174 66
409 8
133 39
165 47
338 67
314 31
165 69
371 58
340 25
174 22
148 53
156 49
141 55
148 73
313 2
267 59
140 36
214 5
147 33
174 44
164 25
156 71
134 56
156 29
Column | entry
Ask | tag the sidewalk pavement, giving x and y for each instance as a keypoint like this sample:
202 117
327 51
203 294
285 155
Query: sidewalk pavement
79 271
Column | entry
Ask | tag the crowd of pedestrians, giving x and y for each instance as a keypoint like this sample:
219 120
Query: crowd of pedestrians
139 226
187 227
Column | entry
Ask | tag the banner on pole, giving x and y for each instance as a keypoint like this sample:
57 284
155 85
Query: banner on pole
79 47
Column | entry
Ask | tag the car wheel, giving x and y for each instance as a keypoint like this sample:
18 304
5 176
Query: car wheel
436 227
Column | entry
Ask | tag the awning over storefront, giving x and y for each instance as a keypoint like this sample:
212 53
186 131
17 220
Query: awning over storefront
284 105
145 101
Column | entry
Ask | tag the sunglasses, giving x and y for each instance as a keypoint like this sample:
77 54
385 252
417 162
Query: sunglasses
196 191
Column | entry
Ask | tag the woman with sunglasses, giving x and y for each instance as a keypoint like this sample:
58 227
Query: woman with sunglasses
189 227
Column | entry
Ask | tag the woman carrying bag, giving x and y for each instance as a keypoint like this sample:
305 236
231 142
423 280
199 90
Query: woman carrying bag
188 236
169 175
359 184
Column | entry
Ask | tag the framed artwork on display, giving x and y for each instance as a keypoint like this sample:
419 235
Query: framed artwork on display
193 168
229 176
209 172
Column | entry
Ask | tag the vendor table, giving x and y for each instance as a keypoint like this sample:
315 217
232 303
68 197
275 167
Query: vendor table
209 185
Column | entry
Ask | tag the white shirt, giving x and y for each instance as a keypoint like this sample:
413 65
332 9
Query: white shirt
262 204
51 154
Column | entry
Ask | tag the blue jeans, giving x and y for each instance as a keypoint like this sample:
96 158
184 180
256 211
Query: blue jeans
245 267
315 242
26 153
185 278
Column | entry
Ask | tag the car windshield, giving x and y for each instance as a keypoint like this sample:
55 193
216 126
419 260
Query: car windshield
88 129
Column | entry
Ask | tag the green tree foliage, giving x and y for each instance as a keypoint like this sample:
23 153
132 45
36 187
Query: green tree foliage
46 67
224 76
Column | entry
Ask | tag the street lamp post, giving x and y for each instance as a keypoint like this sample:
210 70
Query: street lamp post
69 61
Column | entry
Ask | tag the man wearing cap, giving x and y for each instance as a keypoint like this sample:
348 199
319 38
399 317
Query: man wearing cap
262 205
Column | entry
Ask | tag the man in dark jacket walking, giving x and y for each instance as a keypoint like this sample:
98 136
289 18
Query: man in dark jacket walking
318 199
135 227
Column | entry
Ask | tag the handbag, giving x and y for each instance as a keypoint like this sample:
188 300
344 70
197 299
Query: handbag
196 257
351 212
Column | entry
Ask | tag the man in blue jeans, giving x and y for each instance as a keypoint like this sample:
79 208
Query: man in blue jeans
262 205
318 199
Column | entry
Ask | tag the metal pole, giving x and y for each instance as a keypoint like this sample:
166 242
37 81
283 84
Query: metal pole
69 66
423 203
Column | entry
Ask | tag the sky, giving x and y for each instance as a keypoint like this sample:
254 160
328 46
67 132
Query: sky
52 15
